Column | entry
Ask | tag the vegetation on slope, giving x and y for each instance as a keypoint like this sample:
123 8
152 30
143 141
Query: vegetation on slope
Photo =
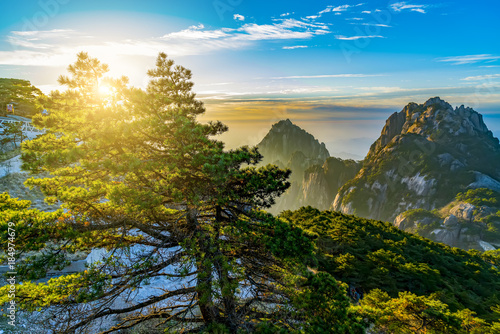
372 255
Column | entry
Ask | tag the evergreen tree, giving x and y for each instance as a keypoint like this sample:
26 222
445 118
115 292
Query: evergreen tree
26 96
140 177
11 134
410 314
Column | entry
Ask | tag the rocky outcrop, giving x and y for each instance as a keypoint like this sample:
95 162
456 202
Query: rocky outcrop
316 177
285 139
425 155
459 224
321 183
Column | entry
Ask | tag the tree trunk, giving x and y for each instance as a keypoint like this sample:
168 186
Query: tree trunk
203 263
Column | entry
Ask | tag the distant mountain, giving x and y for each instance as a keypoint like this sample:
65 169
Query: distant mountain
316 176
286 144
347 156
426 155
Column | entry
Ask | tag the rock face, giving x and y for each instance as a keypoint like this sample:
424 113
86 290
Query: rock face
425 155
316 177
459 224
286 144
321 183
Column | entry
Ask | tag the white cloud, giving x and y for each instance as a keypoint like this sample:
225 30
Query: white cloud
197 32
329 9
342 8
31 39
238 17
286 29
286 14
376 25
57 47
353 38
482 77
294 47
470 59
38 34
366 12
326 10
401 6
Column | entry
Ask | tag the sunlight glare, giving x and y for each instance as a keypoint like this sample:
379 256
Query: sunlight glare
105 90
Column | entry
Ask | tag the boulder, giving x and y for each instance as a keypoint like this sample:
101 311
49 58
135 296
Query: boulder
450 221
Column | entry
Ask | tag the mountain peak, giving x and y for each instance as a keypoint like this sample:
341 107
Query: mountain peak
425 155
285 123
434 119
285 138
438 101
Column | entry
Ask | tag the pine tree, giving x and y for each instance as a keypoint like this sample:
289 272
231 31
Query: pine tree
22 93
139 176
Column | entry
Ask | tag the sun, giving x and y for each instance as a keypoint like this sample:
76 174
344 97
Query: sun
105 90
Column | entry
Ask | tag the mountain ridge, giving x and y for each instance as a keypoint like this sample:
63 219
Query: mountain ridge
426 155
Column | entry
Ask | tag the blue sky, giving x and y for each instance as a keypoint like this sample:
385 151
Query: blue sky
336 68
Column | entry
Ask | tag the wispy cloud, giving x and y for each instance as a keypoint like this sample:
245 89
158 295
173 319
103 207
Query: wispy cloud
402 6
197 32
353 38
39 34
295 47
482 77
238 17
286 29
373 24
342 8
470 59
331 9
56 47
33 39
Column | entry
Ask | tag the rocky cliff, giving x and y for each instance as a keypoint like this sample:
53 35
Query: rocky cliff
316 176
426 154
288 145
471 221
320 184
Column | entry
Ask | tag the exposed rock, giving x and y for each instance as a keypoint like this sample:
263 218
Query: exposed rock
447 236
463 211
425 155
286 138
403 223
450 221
320 184
288 146
484 181
419 184
316 177
486 246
